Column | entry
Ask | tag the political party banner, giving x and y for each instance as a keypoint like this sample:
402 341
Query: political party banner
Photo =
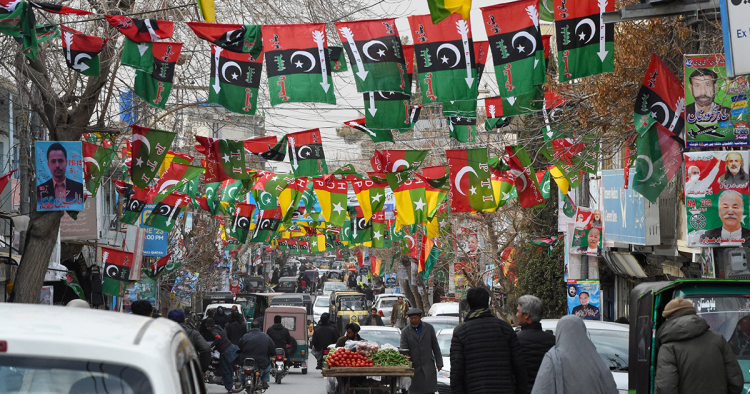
59 176
573 261
707 263
584 299
716 111
46 297
587 236
184 286
716 198
156 241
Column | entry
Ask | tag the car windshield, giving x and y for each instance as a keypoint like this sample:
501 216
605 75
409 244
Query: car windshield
439 325
351 304
387 303
322 302
20 374
730 317
444 341
335 286
612 346
382 337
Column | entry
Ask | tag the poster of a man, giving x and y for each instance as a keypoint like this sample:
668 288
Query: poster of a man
695 184
731 213
584 299
702 83
587 237
735 176
592 248
59 176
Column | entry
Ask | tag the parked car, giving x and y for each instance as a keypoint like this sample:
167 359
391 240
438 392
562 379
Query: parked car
384 304
381 335
441 322
330 287
444 309
320 307
54 349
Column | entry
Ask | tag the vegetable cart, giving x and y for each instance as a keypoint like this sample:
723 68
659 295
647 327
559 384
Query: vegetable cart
353 380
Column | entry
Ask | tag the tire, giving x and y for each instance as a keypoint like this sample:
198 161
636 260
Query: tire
304 371
278 379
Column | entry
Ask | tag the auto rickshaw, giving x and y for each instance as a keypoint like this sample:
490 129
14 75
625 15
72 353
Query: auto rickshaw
294 318
347 307
724 304
336 276
254 304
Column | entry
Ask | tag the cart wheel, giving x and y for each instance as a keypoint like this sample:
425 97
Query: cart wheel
304 371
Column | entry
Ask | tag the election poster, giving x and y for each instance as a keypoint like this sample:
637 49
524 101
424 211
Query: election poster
184 286
716 198
59 176
716 105
587 235
584 299
707 263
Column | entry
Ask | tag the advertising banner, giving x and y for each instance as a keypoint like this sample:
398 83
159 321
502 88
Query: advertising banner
587 237
59 176
156 241
716 198
84 227
584 299
707 263
184 286
716 110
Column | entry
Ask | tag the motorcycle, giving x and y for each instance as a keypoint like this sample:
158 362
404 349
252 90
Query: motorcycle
251 378
279 369
213 374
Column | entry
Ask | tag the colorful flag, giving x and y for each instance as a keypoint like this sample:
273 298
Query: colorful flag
165 213
379 230
441 9
361 227
428 255
116 266
207 9
5 179
526 184
177 176
156 86
395 160
268 224
661 97
174 157
17 20
225 159
338 61
409 61
659 158
58 9
46 33
81 51
297 63
375 135
374 50
503 187
234 76
481 49
411 201
141 30
150 146
471 188
96 160
230 194
71 279
332 195
376 266
545 182
581 49
232 37
162 266
290 198
306 153
277 152
134 204
511 106
239 228
387 111
463 129
370 195
437 188
548 243
139 55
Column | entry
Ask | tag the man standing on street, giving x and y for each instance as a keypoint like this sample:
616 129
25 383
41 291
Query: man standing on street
485 353
398 314
692 358
260 347
534 342
373 319
420 340
324 335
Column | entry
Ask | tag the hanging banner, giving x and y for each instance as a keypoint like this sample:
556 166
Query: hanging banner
716 112
584 299
587 238
716 198
156 241
59 176
707 263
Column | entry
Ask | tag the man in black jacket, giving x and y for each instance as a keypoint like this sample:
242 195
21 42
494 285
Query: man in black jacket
260 347
373 319
534 342
281 337
485 353
324 335
228 352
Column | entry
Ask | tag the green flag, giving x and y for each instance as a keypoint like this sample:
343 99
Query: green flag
659 158
98 167
387 111
463 129
235 79
582 52
165 213
155 87
72 281
138 55
338 61
150 146
471 187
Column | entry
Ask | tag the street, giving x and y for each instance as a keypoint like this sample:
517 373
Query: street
294 382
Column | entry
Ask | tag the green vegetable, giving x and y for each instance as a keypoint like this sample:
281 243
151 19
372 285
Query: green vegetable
389 358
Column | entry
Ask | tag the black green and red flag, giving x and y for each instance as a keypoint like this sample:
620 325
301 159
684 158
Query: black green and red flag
481 49
165 213
277 152
445 60
71 280
659 158
225 159
409 61
511 106
150 146
235 79
548 243
58 9
361 228
471 188
306 153
162 266
387 111
661 99
135 202
81 51
585 44
96 160
17 20
154 87
268 223
527 186
116 267
375 135
493 108
370 195
46 33
379 230
297 63
232 37
338 61
397 160
177 176
260 145
374 50
463 129
239 228
332 196
141 30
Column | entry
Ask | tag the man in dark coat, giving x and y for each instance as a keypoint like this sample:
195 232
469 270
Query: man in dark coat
373 319
324 335
236 327
228 352
201 346
221 317
534 342
692 358
420 340
260 347
485 353
281 337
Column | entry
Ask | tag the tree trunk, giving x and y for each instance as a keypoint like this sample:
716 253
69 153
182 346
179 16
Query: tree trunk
40 241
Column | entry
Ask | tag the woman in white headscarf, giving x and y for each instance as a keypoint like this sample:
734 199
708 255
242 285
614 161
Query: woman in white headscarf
573 365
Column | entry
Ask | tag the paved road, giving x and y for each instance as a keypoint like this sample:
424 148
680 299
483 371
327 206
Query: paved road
293 383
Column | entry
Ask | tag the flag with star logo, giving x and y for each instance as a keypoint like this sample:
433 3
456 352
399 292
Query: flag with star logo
225 159
437 188
154 87
135 201
503 187
379 230
239 227
96 160
297 63
150 146
463 129
306 153
375 135
338 61
235 79
585 44
445 61
177 176
471 188
544 180
396 160
232 37
517 48
81 51
411 201
165 213
375 53
268 223
370 195
210 202
116 267
659 158
332 195
527 186
361 230
661 97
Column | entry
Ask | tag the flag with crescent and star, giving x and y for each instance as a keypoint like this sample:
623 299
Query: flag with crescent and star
338 61
140 34
410 244
660 99
81 51
332 195
375 135
116 266
658 159
306 153
411 201
235 79
463 129
397 160
375 53
268 223
298 64
527 186
445 61
212 198
225 158
437 188
154 87
503 188
546 10
361 228
165 213
387 111
370 195
135 201
96 160
150 146
379 230
161 266
470 187
232 37
239 227
231 192
544 180
17 20
177 176
585 44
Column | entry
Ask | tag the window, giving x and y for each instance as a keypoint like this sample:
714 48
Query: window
289 322
730 317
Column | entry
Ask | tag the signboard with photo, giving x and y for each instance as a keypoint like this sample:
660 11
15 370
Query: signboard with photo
587 236
156 241
184 286
707 263
59 176
716 198
584 299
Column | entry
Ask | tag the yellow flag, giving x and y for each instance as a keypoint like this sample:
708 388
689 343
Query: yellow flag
458 7
207 10
560 179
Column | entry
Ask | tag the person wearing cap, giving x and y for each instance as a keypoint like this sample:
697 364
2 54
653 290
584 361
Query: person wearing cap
420 340
692 358
201 346
373 319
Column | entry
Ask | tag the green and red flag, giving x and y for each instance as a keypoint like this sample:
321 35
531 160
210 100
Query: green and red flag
493 108
481 49
547 10
332 196
527 186
135 201
71 279
116 267
260 145
410 243
376 265
557 153
58 9
306 153
231 193
277 152
387 111
155 87
232 37
545 182
96 160
162 266
441 9
370 195
338 61
374 50
176 177
379 230
150 146
503 187
661 99
225 159
445 60
141 30
46 33
165 213
471 188
428 256
510 106
548 243
517 48
297 63
235 79
411 201
463 129
409 61
396 160
17 20
290 198
239 228
585 44
210 203
375 135
268 223
81 51
659 158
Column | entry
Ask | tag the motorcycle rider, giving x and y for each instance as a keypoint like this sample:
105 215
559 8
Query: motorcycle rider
260 347
228 352
281 337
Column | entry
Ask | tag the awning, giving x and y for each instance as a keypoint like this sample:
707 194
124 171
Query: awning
624 264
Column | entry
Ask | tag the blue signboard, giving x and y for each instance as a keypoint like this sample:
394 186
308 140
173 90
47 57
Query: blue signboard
156 241
624 209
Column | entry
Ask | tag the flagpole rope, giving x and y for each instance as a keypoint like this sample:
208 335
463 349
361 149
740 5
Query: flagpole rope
133 14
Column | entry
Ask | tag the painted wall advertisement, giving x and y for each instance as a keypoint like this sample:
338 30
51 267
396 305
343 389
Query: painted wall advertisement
59 176
584 299
82 228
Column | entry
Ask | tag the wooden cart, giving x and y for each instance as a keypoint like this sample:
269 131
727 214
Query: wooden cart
353 380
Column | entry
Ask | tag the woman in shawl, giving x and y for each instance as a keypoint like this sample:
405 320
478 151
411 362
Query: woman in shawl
573 365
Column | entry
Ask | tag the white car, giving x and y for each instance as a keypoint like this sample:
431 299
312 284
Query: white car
54 349
444 309
320 307
381 335
384 304
329 287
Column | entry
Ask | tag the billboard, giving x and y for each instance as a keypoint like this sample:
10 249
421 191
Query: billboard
584 299
587 237
156 241
59 176
628 217
84 227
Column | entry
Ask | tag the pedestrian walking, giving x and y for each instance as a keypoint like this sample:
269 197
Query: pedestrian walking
485 353
692 358
533 340
573 364
324 334
201 346
227 350
205 331
236 327
420 340
398 313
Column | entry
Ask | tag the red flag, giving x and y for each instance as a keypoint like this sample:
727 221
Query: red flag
360 257
141 30
481 49
545 42
58 9
260 145
4 180
526 185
